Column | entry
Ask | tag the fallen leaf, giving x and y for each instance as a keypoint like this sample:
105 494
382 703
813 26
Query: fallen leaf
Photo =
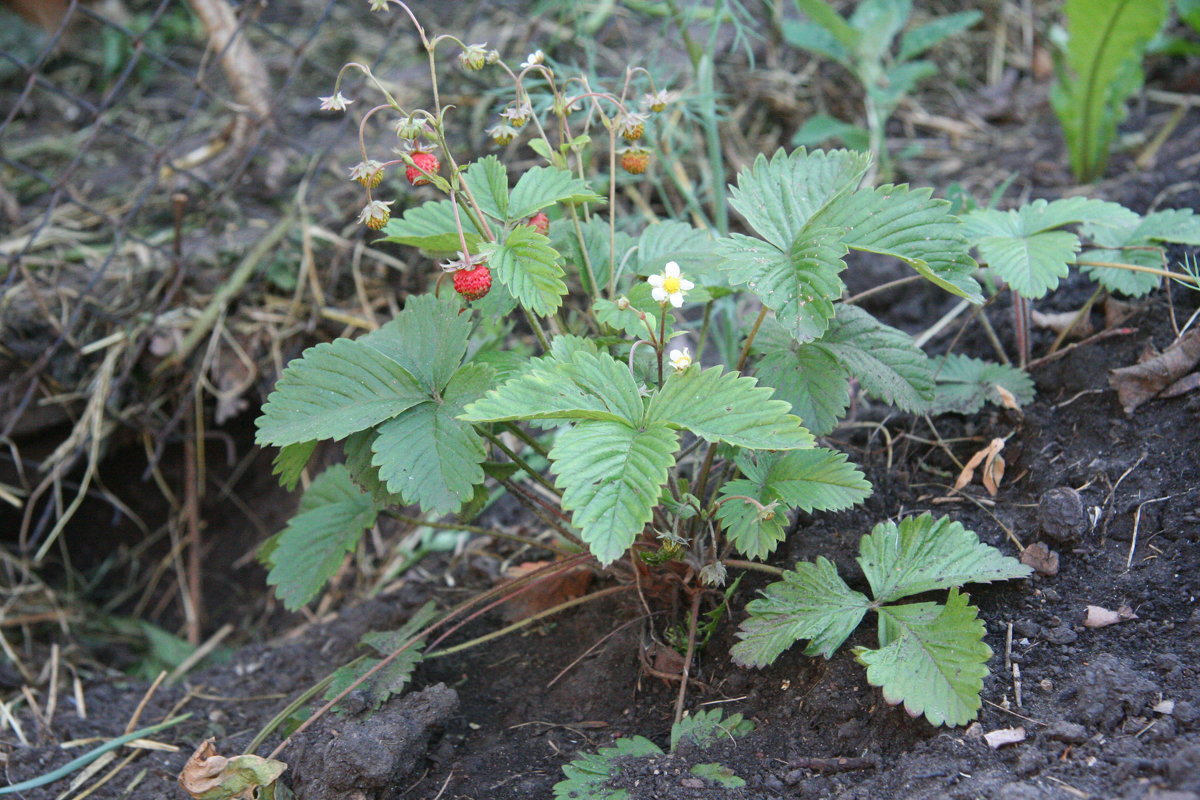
1187 383
1100 617
1043 560
547 593
1007 399
1002 736
209 776
1143 381
993 468
1117 311
1061 321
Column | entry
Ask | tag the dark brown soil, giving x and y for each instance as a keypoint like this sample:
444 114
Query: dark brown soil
1108 713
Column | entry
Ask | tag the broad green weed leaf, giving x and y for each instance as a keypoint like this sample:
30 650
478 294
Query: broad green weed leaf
611 475
911 225
923 554
428 338
811 602
885 360
393 678
597 250
332 517
718 774
333 390
727 408
708 727
935 661
921 38
799 284
816 39
624 319
290 461
544 186
825 15
964 384
431 226
487 179
589 776
528 266
779 196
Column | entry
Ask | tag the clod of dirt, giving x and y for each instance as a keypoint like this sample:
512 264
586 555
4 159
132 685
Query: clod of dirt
1184 769
1112 690
1061 515
1066 732
369 757
1043 560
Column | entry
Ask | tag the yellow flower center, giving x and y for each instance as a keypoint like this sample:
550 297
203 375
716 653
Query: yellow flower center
670 285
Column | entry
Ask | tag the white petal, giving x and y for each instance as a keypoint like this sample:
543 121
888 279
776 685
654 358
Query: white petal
655 281
686 285
676 355
671 270
676 299
659 294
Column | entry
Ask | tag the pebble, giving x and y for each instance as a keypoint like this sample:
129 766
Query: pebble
1060 635
1067 732
1061 515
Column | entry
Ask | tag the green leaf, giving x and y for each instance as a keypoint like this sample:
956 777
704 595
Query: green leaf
431 226
816 39
428 456
921 38
597 249
391 679
359 452
727 408
908 224
611 475
964 384
589 776
528 266
778 197
487 179
1105 42
822 13
544 186
1023 248
805 375
333 390
428 338
800 285
935 662
719 774
877 23
589 386
1137 242
290 462
692 249
626 319
753 532
706 728
821 128
332 517
885 360
811 602
923 554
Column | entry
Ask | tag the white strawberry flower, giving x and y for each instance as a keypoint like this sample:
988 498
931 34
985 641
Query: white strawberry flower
680 359
535 58
670 286
337 102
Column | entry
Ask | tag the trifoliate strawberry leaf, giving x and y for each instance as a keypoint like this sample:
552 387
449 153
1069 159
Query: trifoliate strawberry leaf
589 386
1022 245
805 375
392 679
811 602
332 517
611 475
964 384
333 390
528 266
597 250
589 776
753 531
910 225
431 226
566 345
1137 243
626 319
933 660
291 461
885 360
779 196
429 457
706 728
487 179
428 338
544 186
691 248
923 554
798 283
729 408
359 452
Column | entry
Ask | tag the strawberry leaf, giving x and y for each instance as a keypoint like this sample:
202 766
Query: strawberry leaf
528 266
431 226
885 360
964 384
541 187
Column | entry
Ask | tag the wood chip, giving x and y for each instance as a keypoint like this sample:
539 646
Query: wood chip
1004 736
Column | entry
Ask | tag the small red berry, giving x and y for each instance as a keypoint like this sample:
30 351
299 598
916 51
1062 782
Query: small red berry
540 223
426 161
635 160
473 284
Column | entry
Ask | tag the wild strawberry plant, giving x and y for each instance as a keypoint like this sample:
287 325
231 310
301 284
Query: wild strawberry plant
663 470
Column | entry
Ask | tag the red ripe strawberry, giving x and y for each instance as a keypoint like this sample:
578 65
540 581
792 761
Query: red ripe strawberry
635 160
540 223
426 161
473 284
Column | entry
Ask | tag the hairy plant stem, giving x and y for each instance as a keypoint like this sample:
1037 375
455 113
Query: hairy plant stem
522 463
661 345
476 529
1079 315
538 508
524 436
754 565
693 621
702 337
1165 273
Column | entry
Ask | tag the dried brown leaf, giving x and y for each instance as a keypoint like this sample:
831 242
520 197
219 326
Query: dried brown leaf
993 468
1061 321
210 776
1143 381
1002 736
1043 560
1101 617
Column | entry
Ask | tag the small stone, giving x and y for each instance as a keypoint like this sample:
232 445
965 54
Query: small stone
1027 629
1060 635
1067 732
1186 712
1061 515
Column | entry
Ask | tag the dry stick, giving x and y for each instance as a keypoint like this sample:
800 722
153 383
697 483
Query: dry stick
1079 315
883 287
1137 523
526 582
1165 273
200 653
455 526
693 620
191 514
1037 362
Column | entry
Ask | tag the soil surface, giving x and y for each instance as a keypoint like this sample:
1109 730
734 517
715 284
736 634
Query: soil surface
1111 712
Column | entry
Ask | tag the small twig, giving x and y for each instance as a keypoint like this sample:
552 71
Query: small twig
693 621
